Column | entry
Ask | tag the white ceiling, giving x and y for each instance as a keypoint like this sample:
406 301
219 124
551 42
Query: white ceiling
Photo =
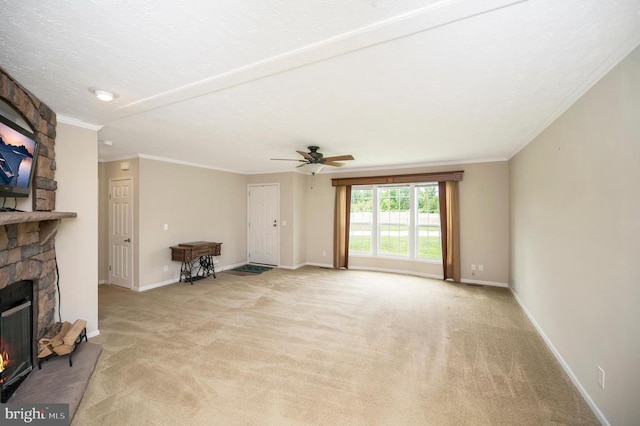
230 84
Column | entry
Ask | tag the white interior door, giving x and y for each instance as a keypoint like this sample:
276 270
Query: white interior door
121 232
263 223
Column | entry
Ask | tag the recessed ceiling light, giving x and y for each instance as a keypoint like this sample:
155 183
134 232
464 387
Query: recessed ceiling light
107 143
103 95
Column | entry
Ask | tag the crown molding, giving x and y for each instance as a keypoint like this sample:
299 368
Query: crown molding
78 123
187 163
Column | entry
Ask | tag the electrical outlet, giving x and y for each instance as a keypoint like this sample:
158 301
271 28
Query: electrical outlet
480 268
166 227
166 268
601 377
324 254
473 266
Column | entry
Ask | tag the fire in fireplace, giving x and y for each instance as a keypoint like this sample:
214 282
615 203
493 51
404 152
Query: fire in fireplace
4 361
16 331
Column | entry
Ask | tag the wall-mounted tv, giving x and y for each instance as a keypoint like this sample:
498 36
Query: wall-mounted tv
18 154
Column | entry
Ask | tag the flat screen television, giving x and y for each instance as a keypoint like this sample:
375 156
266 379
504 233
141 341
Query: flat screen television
18 154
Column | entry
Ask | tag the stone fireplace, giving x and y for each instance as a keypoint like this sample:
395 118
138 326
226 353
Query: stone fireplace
27 239
27 243
28 253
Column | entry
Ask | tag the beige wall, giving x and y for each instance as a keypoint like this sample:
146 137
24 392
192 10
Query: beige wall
300 188
575 228
106 173
484 223
77 239
307 209
319 223
198 204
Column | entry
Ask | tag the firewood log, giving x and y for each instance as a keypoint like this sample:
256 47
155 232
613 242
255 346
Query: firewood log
59 338
50 334
63 349
45 352
52 331
74 332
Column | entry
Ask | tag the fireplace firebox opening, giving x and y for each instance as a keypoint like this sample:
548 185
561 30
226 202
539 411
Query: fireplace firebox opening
16 336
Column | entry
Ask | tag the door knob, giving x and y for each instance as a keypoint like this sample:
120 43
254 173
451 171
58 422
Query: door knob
128 240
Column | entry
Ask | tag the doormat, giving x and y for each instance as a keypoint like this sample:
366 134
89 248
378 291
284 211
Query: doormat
252 269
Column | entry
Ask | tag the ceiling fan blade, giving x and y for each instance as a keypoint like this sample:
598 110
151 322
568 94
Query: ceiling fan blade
305 155
288 159
332 163
339 158
302 165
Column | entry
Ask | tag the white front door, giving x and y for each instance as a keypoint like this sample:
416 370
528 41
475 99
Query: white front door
121 232
263 233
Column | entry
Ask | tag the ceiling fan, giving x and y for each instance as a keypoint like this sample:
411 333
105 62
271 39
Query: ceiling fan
314 160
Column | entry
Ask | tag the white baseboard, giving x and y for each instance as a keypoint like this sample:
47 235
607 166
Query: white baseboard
405 272
562 362
489 283
93 334
156 285
395 271
103 282
286 267
177 279
293 268
320 265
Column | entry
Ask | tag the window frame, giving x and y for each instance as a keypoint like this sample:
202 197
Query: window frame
413 225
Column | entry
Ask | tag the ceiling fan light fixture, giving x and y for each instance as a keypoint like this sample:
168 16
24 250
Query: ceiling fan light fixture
314 161
313 168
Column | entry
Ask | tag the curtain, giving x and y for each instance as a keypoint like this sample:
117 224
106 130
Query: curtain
342 215
450 229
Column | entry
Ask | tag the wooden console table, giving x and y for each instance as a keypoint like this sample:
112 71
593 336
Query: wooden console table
196 257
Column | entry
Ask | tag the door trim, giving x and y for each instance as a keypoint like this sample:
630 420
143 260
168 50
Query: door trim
110 230
277 185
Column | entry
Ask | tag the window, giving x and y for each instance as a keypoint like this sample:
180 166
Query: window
428 242
396 221
361 218
394 213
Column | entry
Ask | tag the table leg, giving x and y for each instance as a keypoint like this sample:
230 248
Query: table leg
186 271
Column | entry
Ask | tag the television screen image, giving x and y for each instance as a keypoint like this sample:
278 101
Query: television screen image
18 151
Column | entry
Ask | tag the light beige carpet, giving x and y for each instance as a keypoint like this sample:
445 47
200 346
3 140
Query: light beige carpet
317 346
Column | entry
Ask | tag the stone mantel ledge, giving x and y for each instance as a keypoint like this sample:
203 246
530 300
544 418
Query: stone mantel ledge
8 218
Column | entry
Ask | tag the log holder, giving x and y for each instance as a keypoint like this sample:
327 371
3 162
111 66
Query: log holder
82 335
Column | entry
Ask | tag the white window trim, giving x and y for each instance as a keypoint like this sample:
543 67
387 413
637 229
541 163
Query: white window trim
413 221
